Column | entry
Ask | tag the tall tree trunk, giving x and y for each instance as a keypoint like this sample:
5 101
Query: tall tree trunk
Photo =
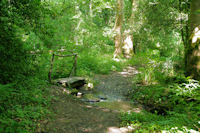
192 55
77 24
118 29
91 11
128 45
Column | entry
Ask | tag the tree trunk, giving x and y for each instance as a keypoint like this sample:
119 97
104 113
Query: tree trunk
118 29
192 55
77 25
128 45
91 11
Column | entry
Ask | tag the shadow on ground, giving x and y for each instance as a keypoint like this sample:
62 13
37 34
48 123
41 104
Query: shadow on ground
74 116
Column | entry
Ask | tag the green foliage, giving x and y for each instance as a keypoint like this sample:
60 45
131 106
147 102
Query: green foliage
23 107
22 101
190 88
13 56
96 63
154 68
14 59
174 105
145 122
17 19
156 26
31 29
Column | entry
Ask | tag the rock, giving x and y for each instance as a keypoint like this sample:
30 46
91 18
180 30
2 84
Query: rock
79 94
92 100
103 98
74 82
90 85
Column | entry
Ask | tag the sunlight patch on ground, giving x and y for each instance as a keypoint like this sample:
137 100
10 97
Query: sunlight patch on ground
176 130
116 59
129 71
120 106
88 106
113 130
128 129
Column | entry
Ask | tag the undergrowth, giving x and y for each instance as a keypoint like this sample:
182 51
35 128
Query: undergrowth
23 105
171 100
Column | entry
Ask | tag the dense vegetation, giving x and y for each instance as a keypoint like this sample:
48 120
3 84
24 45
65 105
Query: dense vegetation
31 31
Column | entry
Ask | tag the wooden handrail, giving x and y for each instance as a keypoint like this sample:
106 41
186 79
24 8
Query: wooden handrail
73 71
66 55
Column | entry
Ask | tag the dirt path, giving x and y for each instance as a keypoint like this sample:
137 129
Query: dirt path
75 116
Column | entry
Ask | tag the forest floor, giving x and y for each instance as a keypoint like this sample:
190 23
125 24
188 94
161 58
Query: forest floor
73 115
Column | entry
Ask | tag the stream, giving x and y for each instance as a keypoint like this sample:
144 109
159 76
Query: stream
97 111
112 90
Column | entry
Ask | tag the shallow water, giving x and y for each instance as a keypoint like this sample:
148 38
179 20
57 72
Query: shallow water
112 90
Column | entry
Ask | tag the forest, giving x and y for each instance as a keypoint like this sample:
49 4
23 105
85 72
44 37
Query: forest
99 66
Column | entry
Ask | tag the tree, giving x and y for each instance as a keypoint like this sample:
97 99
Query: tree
192 55
124 38
128 33
118 29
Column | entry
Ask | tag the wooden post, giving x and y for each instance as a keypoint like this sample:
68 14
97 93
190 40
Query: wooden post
73 72
51 67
